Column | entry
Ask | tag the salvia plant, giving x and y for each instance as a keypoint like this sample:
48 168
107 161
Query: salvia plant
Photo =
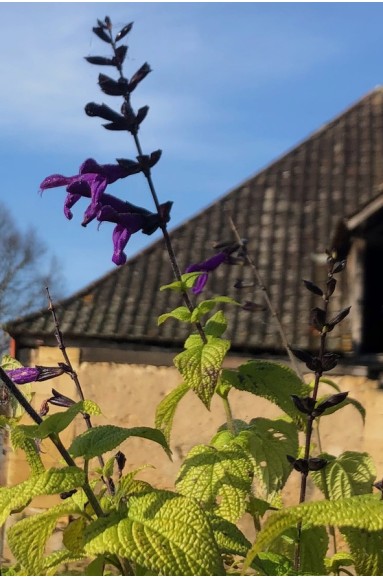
119 524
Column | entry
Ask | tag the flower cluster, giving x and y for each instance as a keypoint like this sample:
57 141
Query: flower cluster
91 182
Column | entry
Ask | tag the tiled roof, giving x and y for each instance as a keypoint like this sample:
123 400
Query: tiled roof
287 212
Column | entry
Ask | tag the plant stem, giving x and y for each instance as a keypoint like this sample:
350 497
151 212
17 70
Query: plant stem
229 415
270 306
13 389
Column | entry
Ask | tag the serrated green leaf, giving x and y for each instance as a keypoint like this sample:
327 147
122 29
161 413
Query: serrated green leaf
128 485
107 470
167 407
363 512
216 325
162 531
96 567
56 423
73 535
314 546
269 442
8 363
366 549
104 438
27 538
272 381
52 562
219 479
272 564
350 474
338 560
258 507
19 440
53 481
187 281
180 313
205 306
229 538
200 365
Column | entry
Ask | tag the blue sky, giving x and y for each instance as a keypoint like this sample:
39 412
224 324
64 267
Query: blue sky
234 86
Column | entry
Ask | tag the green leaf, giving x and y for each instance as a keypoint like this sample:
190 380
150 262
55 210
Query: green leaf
200 365
163 532
258 507
57 422
187 282
96 567
205 306
103 438
166 409
314 546
27 538
216 325
269 442
51 563
73 535
363 512
272 381
367 551
229 538
350 474
8 363
338 560
21 441
218 478
53 481
181 313
272 564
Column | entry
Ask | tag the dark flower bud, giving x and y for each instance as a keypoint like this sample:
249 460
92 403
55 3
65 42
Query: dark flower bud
103 111
240 284
141 114
120 54
304 404
313 288
332 401
44 408
331 284
300 465
101 23
131 167
147 162
317 318
329 361
338 318
139 75
120 461
100 60
66 495
379 485
60 400
339 266
123 32
113 87
316 464
251 306
100 32
108 22
313 363
127 111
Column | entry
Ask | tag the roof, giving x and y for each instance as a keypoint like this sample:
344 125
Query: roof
287 212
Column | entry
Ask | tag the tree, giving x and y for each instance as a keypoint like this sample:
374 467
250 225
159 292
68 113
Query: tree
25 271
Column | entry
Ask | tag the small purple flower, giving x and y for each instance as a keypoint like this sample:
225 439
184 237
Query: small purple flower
91 182
206 267
127 223
23 375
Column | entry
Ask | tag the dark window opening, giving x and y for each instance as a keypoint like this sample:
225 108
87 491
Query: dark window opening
373 291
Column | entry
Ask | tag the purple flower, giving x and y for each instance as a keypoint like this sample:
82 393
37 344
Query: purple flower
23 375
91 182
127 223
206 267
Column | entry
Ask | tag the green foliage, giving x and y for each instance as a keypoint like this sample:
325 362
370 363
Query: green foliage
52 481
181 313
229 538
269 442
162 532
104 438
166 409
359 512
218 478
187 282
272 381
56 423
366 550
350 474
8 363
206 306
21 441
200 365
337 561
38 528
